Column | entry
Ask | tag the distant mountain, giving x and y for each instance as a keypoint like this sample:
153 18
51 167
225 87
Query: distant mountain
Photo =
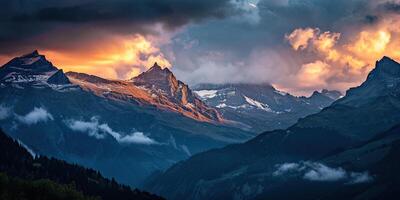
261 107
17 162
257 169
121 128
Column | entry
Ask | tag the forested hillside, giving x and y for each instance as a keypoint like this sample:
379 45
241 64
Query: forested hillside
26 177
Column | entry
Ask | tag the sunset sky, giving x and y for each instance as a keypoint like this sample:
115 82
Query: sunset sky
297 45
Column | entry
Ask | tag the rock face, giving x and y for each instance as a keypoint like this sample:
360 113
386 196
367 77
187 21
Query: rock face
252 170
58 78
261 107
170 92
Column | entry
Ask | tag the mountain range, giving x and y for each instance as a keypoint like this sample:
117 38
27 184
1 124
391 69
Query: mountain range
129 129
348 150
261 107
154 131
124 129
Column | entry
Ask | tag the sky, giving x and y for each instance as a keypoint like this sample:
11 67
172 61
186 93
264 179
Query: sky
297 45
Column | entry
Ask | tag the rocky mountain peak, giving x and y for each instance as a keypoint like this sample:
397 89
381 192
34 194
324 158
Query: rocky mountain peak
32 62
386 67
156 77
383 80
34 53
31 67
164 83
332 94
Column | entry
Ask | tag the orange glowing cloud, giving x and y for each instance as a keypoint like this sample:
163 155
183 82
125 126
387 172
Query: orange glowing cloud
313 74
341 65
300 38
117 58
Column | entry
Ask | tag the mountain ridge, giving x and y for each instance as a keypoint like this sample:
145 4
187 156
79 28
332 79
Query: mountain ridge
261 107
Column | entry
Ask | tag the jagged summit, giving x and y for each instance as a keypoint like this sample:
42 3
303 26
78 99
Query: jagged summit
32 62
383 80
387 67
32 68
158 78
155 67
162 82
155 75
332 94
35 53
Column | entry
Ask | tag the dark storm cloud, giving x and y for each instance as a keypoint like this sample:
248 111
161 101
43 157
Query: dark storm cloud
371 19
24 22
170 12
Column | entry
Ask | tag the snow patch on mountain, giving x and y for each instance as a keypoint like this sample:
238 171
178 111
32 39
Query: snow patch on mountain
257 104
206 94
21 78
223 105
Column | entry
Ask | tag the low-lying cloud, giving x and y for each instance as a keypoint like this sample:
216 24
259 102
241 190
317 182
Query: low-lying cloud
314 171
100 130
321 172
91 127
5 112
35 116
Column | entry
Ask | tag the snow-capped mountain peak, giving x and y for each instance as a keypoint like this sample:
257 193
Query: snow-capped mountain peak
32 68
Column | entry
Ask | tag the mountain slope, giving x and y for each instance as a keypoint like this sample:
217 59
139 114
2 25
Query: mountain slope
16 161
111 126
245 170
260 107
157 87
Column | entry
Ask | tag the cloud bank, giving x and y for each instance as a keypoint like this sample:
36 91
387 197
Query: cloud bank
100 130
314 171
35 116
